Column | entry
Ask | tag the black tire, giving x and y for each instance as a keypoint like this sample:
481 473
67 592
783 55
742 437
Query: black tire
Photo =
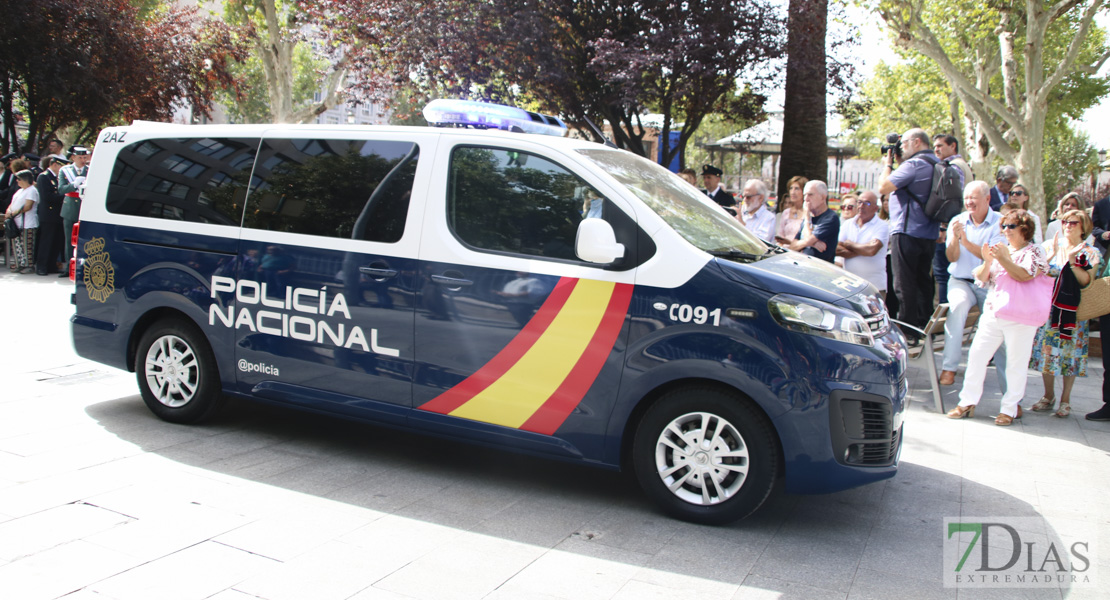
177 372
739 462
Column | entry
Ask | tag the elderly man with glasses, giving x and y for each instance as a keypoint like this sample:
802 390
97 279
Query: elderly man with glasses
863 240
1004 181
753 211
967 233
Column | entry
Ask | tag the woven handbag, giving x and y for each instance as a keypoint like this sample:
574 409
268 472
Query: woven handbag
1095 301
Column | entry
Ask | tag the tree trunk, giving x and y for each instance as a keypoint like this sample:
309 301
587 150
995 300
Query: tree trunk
804 142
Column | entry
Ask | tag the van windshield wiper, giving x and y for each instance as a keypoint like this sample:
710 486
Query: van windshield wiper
736 254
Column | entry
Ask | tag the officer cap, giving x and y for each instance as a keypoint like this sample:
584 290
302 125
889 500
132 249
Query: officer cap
81 150
58 158
7 157
32 157
711 170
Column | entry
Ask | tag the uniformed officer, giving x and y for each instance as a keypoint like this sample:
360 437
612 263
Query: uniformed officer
69 180
711 176
50 216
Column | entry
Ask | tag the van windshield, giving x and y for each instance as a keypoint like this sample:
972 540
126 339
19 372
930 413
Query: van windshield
680 205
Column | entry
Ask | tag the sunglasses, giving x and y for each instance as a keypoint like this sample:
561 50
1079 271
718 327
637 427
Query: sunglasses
849 207
1070 223
1017 193
1009 226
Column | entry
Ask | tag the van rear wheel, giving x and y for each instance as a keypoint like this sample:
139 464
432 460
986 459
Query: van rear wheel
177 372
705 456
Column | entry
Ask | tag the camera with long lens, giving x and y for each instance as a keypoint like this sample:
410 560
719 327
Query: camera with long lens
893 142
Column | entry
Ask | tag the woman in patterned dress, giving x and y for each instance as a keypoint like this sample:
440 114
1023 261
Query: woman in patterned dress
1022 261
1060 347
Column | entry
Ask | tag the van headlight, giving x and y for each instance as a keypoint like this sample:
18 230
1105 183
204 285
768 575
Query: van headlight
814 317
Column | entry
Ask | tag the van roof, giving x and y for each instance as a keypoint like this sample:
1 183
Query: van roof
260 129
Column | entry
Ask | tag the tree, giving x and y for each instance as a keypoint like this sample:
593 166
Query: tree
598 60
289 50
804 143
1007 62
109 62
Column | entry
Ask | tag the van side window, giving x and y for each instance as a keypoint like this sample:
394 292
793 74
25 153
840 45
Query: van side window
201 180
351 189
510 201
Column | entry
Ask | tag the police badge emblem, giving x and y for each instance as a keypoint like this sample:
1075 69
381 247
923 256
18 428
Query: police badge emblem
100 277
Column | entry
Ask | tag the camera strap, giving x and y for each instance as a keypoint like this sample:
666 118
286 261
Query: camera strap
919 201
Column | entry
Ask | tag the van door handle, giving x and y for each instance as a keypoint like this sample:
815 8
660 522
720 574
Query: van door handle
376 273
453 282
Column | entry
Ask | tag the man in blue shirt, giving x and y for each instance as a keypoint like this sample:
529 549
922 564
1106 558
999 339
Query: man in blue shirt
818 237
913 235
967 232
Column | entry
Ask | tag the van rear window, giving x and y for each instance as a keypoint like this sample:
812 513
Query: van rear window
200 180
350 189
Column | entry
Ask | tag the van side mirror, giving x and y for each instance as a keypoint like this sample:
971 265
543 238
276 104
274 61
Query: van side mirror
597 243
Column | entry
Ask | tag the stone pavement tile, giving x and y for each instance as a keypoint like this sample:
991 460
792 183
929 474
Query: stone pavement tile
324 476
332 571
403 538
176 576
654 585
759 587
825 520
60 570
226 444
699 552
393 489
903 509
373 593
1069 501
534 520
629 528
906 553
822 563
881 585
576 570
225 595
923 481
470 566
1099 439
286 535
480 498
1016 593
56 490
53 527
158 535
259 463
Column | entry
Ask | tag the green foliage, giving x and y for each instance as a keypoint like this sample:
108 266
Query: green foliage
1069 158
898 97
252 104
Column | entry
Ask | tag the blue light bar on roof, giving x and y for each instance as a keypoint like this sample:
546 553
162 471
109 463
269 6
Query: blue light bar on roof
491 116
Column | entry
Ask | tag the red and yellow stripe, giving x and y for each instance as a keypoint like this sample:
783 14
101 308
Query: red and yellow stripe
544 372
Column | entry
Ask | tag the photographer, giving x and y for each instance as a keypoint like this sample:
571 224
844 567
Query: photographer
913 235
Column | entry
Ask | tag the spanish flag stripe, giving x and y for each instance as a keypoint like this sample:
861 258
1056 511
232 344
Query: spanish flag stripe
558 407
500 364
514 397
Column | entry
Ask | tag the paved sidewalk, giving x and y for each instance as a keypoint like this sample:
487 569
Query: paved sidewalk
101 500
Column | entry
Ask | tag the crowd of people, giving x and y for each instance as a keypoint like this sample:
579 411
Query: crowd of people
1025 279
42 204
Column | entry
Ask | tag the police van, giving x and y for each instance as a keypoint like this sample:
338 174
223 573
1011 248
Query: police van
531 292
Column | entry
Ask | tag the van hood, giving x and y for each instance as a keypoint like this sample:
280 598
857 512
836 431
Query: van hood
799 274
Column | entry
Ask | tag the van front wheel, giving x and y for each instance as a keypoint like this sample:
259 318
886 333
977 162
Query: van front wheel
177 373
705 456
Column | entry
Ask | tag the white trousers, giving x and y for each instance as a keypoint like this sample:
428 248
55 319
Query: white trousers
992 333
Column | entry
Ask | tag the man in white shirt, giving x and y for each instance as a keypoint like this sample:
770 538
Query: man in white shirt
967 233
863 242
754 213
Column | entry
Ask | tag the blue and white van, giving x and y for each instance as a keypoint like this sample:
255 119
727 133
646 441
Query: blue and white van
529 292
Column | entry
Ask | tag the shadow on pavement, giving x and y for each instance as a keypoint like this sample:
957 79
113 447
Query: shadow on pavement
882 539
